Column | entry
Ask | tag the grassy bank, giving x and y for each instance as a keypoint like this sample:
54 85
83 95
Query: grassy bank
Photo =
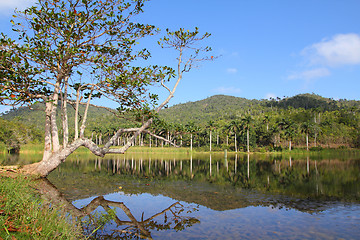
23 215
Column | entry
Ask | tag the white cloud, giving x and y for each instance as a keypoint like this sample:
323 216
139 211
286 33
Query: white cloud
310 74
231 70
8 6
270 95
341 49
227 90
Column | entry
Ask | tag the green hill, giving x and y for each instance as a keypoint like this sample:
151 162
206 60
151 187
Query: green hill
311 101
212 108
228 107
99 118
200 112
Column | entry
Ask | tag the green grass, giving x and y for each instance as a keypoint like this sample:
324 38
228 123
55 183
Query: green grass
32 148
2 148
23 215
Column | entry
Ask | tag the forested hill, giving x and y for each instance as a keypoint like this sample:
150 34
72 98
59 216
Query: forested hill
228 107
34 116
212 108
311 101
200 112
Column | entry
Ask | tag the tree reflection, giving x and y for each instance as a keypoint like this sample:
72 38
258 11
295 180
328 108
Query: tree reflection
175 217
301 176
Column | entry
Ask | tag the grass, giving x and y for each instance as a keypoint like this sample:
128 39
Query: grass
2 148
24 216
32 148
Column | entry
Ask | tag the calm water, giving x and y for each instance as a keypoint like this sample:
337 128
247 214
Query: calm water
213 197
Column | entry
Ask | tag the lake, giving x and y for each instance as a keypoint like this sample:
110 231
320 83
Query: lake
212 196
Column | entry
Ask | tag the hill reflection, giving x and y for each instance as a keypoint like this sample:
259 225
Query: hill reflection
216 182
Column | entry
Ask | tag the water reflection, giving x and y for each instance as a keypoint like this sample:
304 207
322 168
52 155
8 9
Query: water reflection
235 196
175 217
217 182
303 177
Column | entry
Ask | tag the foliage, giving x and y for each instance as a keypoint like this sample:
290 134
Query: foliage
13 134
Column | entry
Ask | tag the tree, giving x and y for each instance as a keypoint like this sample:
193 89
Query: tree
246 122
290 132
211 126
190 128
233 127
288 126
306 128
72 51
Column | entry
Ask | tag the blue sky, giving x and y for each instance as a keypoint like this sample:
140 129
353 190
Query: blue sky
268 48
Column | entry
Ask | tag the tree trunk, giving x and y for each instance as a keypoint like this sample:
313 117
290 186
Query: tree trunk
210 141
289 145
65 116
53 160
248 140
235 143
191 142
307 142
48 144
76 121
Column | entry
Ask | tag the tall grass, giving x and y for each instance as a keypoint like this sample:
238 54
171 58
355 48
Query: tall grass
24 216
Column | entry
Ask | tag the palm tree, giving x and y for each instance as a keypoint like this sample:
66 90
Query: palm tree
190 128
288 127
306 127
179 130
234 128
290 131
211 126
246 122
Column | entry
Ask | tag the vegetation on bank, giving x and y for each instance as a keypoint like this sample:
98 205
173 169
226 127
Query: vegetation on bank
23 215
14 134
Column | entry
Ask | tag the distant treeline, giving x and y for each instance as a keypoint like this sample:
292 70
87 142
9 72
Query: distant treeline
235 123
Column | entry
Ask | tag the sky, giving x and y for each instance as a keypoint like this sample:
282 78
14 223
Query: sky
266 48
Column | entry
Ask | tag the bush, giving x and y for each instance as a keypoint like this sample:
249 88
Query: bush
316 149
